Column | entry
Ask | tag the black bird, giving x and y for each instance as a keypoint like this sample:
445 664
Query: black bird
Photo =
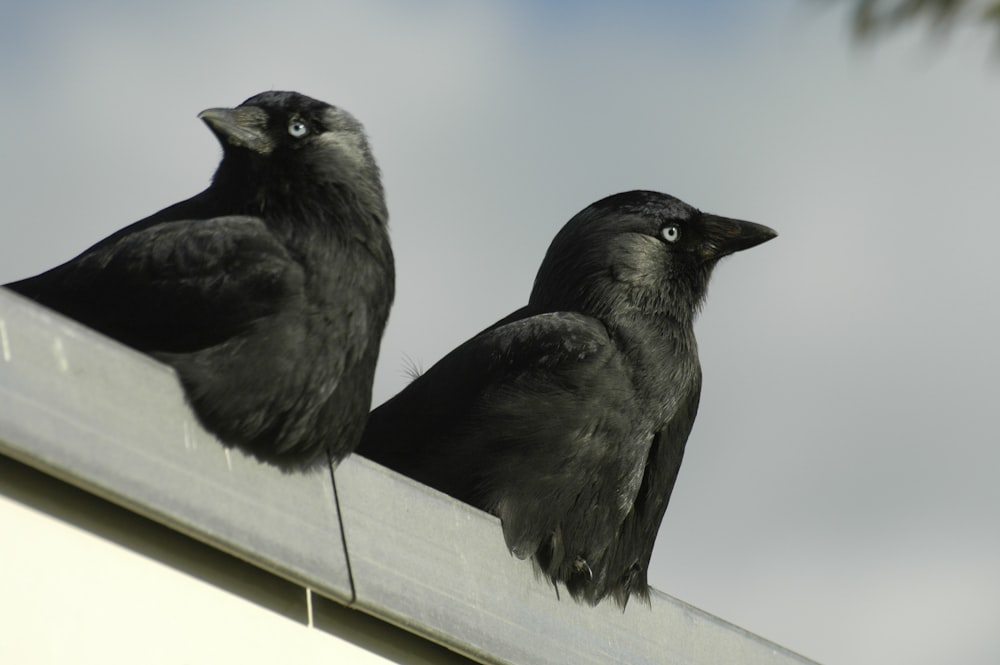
268 292
568 418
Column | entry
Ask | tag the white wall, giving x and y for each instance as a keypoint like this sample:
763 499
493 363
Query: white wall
70 595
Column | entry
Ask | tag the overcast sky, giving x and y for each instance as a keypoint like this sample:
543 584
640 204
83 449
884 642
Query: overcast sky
839 494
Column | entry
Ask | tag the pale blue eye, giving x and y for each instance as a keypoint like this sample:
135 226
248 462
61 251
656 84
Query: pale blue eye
297 128
671 233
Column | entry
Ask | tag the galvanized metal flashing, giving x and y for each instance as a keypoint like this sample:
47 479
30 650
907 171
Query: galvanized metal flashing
85 409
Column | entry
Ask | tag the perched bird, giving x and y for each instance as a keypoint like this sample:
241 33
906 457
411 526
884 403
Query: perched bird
268 292
568 418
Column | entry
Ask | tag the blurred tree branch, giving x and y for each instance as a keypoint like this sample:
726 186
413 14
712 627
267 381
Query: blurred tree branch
872 17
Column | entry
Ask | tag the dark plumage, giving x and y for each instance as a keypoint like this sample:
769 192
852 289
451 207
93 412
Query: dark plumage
568 418
267 293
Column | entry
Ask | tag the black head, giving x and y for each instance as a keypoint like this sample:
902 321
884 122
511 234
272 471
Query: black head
638 253
279 142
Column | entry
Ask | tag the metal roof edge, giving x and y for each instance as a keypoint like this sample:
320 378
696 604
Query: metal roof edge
85 409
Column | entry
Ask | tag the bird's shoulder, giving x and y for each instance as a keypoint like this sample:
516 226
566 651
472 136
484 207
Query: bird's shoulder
525 353
227 251
543 341
174 284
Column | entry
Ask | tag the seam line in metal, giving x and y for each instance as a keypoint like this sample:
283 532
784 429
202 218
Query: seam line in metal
340 525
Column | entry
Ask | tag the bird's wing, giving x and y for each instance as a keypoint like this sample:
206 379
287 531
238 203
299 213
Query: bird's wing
532 420
628 561
173 286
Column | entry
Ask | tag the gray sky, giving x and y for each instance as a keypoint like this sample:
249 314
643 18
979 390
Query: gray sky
838 494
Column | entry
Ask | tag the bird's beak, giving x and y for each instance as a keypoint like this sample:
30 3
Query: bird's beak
723 236
243 127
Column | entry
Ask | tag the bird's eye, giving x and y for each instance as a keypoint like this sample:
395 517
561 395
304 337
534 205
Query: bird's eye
297 128
671 232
